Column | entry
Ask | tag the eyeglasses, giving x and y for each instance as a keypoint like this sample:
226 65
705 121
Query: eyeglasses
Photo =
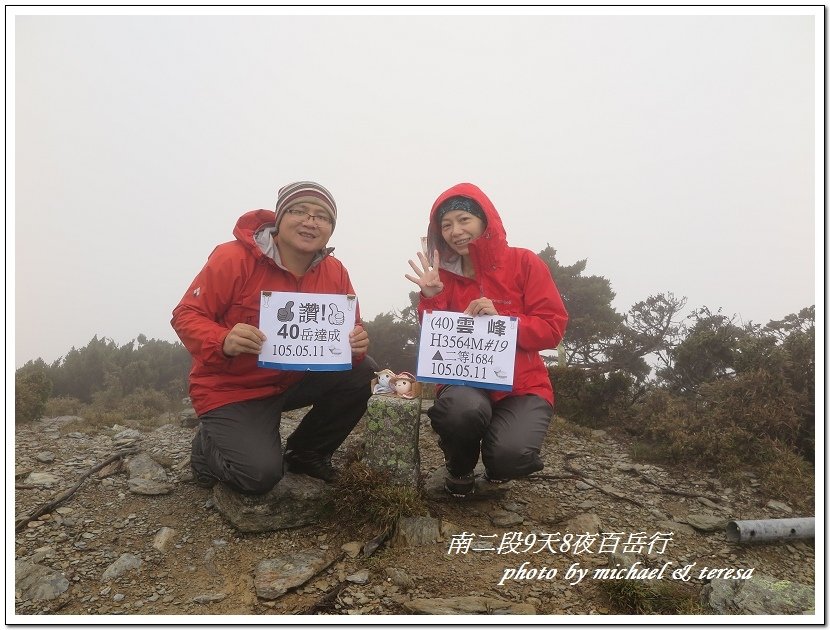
316 219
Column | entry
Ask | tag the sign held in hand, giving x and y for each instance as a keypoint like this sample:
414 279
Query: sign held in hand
306 331
459 349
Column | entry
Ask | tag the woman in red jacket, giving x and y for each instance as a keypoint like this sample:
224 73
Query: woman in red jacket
476 272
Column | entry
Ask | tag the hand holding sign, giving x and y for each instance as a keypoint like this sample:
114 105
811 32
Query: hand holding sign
243 338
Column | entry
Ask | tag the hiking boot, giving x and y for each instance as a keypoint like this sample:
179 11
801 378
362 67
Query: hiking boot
462 486
311 464
490 479
203 480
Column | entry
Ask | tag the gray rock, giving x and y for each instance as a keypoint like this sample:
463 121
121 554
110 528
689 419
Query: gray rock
352 549
583 523
391 437
628 467
35 582
505 518
624 560
760 595
399 578
273 577
127 435
705 522
711 504
360 577
45 480
126 562
148 486
467 605
295 501
781 507
42 553
417 531
209 598
142 466
45 457
163 537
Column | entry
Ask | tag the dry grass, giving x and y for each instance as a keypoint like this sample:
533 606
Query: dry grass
638 597
368 501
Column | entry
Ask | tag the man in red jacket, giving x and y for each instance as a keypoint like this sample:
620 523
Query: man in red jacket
238 403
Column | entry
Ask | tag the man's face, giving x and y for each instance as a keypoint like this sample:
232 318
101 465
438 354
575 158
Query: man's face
305 228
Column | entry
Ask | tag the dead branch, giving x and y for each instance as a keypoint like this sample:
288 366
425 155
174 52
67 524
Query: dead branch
51 505
596 486
576 474
554 477
681 493
326 602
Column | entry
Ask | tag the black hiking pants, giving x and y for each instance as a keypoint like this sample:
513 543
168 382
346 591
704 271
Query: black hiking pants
507 434
240 443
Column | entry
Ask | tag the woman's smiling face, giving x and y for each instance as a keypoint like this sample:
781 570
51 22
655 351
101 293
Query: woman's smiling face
459 228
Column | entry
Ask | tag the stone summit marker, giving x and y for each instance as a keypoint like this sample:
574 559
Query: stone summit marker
391 437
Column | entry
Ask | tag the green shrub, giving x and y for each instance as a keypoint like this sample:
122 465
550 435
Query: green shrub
31 391
589 398
144 404
745 422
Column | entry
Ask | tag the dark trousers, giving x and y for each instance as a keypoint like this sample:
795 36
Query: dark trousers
240 443
508 434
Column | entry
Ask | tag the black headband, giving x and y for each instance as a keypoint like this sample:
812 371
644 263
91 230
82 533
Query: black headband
461 203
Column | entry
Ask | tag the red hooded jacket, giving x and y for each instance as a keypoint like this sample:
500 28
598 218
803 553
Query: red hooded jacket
226 292
515 279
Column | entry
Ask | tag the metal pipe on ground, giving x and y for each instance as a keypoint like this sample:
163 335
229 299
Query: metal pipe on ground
771 529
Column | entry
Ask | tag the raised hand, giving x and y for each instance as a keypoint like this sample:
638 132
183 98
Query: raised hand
426 276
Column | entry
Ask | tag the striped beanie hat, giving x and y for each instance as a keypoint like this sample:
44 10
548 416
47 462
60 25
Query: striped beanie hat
310 192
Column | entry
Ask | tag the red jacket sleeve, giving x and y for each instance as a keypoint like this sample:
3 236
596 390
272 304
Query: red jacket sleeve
198 319
543 322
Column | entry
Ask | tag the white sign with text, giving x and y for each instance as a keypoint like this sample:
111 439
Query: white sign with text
459 349
306 331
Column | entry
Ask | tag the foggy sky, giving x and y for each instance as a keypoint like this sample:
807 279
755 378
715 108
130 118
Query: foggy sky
674 152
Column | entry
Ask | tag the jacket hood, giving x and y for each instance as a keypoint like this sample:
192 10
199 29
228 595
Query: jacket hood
487 247
255 230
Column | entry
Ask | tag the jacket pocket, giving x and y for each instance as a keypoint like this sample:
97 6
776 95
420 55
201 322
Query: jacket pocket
242 314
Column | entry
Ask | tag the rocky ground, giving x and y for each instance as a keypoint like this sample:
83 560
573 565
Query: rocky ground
115 548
